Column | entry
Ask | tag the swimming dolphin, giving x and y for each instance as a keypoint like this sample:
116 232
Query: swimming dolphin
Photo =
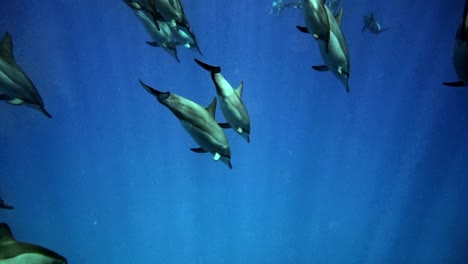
460 52
337 58
233 108
15 252
3 205
316 20
199 122
15 86
371 23
158 30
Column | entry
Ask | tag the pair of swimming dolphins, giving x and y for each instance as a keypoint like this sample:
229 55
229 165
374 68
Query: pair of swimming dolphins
200 122
166 23
15 252
326 30
15 86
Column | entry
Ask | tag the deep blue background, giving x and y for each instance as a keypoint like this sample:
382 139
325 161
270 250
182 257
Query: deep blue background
377 175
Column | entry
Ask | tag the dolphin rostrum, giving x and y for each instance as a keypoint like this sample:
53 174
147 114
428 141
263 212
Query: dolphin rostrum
230 100
15 86
199 122
15 252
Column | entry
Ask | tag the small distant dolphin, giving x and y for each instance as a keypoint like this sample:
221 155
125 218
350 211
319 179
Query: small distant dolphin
460 52
15 86
230 100
199 122
371 23
3 205
337 58
316 20
158 30
15 252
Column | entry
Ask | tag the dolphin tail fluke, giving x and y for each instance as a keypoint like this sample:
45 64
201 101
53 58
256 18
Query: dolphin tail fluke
210 68
455 84
152 90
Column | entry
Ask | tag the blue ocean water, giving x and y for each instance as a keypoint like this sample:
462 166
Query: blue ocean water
377 175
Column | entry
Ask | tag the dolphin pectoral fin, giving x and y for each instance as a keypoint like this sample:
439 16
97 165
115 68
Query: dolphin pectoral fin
155 92
224 125
364 28
212 108
6 48
455 84
321 68
216 156
210 68
16 101
303 29
198 150
153 43
4 97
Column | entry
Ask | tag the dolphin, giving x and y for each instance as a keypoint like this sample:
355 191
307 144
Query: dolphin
199 122
3 205
460 52
15 86
233 108
371 23
158 30
337 58
316 20
15 252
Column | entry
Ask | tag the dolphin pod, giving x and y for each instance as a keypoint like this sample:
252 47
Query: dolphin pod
15 252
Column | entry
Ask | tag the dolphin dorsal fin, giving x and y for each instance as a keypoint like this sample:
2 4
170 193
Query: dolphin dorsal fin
5 233
6 48
339 17
240 89
212 108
